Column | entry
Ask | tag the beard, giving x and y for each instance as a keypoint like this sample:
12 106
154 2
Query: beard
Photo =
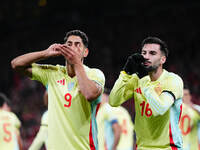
151 68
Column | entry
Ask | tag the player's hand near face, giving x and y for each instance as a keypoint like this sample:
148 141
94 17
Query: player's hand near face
72 54
53 50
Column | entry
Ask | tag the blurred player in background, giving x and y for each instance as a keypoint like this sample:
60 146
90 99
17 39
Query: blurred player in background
42 135
115 127
157 95
10 138
190 119
74 92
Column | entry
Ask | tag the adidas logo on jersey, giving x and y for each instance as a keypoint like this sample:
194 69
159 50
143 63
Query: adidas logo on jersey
138 90
61 81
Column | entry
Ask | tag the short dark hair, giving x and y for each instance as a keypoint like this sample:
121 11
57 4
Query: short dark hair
79 33
186 86
4 99
155 40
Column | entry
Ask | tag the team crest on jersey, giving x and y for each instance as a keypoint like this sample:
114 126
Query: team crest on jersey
70 86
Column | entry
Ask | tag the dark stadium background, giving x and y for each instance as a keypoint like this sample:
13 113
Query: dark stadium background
115 30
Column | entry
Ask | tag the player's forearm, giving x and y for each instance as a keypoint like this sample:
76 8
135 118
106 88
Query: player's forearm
20 144
122 90
26 60
39 139
88 88
19 140
159 104
117 133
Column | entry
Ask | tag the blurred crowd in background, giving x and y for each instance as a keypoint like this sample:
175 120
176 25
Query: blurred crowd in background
115 30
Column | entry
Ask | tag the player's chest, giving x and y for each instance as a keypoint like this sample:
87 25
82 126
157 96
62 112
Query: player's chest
157 86
66 87
64 83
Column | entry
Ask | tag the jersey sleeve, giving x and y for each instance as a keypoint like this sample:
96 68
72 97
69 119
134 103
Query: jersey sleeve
175 85
123 89
106 113
97 76
41 72
16 121
197 107
44 120
111 117
161 98
159 103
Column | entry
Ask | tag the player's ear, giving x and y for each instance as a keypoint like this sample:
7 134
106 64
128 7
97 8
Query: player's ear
86 51
163 59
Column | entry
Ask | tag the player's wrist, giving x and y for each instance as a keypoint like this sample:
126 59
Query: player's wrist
133 63
123 72
78 66
45 53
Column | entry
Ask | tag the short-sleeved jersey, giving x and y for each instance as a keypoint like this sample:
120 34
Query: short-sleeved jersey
42 135
71 118
198 133
44 119
108 115
160 131
9 128
189 128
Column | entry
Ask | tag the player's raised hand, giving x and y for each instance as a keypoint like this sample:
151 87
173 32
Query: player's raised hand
72 54
54 50
133 63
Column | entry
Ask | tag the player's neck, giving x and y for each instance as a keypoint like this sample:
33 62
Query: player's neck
70 70
154 75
